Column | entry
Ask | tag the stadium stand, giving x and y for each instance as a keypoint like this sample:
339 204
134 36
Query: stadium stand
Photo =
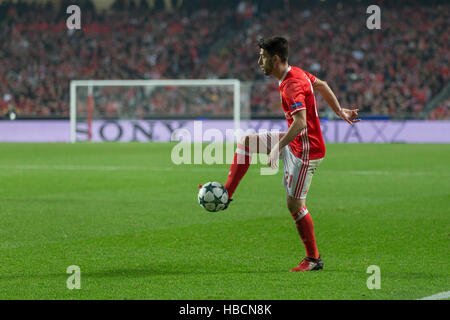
393 72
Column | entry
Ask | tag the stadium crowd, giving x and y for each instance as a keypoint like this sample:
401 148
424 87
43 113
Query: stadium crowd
441 112
394 71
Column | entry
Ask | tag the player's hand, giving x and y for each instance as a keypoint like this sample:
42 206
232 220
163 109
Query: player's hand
348 115
274 156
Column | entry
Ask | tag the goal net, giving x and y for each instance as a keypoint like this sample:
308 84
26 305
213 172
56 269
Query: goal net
99 106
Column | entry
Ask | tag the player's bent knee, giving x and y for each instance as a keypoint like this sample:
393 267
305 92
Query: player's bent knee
250 142
294 205
245 140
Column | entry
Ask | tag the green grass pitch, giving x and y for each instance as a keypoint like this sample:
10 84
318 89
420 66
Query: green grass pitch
129 219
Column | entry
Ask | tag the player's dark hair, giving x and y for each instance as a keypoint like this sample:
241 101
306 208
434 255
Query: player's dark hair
275 46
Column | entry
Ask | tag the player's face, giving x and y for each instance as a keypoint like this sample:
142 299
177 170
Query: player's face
265 62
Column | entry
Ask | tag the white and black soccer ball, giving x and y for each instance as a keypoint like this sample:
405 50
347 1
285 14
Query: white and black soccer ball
213 196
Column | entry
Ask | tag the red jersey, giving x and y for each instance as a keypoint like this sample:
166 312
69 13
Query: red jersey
297 94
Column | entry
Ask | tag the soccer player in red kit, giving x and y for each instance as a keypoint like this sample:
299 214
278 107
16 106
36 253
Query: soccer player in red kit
301 147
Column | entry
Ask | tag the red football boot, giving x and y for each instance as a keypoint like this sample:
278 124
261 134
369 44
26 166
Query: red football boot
309 264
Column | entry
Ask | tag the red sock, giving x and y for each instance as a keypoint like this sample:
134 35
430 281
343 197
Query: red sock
305 228
238 168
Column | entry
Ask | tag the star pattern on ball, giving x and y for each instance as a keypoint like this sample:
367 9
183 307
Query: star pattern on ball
209 188
211 196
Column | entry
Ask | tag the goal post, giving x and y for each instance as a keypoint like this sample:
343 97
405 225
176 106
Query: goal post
89 87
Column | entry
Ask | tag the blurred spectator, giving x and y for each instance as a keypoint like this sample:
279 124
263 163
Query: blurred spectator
394 71
442 112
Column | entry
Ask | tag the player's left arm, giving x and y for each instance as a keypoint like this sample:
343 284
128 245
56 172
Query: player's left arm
294 130
328 95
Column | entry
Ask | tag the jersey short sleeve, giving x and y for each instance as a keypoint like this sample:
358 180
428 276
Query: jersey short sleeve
294 97
311 77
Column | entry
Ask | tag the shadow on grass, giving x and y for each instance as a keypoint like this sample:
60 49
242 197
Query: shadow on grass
167 269
163 270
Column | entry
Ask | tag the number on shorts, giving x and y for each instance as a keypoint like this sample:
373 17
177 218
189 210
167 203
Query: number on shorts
288 178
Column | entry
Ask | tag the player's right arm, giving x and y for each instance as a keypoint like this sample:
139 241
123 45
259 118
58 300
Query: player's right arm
328 95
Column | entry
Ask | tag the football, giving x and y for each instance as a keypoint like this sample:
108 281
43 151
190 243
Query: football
213 196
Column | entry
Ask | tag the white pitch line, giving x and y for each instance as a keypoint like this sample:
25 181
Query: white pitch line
69 167
437 296
103 168
191 167
385 173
